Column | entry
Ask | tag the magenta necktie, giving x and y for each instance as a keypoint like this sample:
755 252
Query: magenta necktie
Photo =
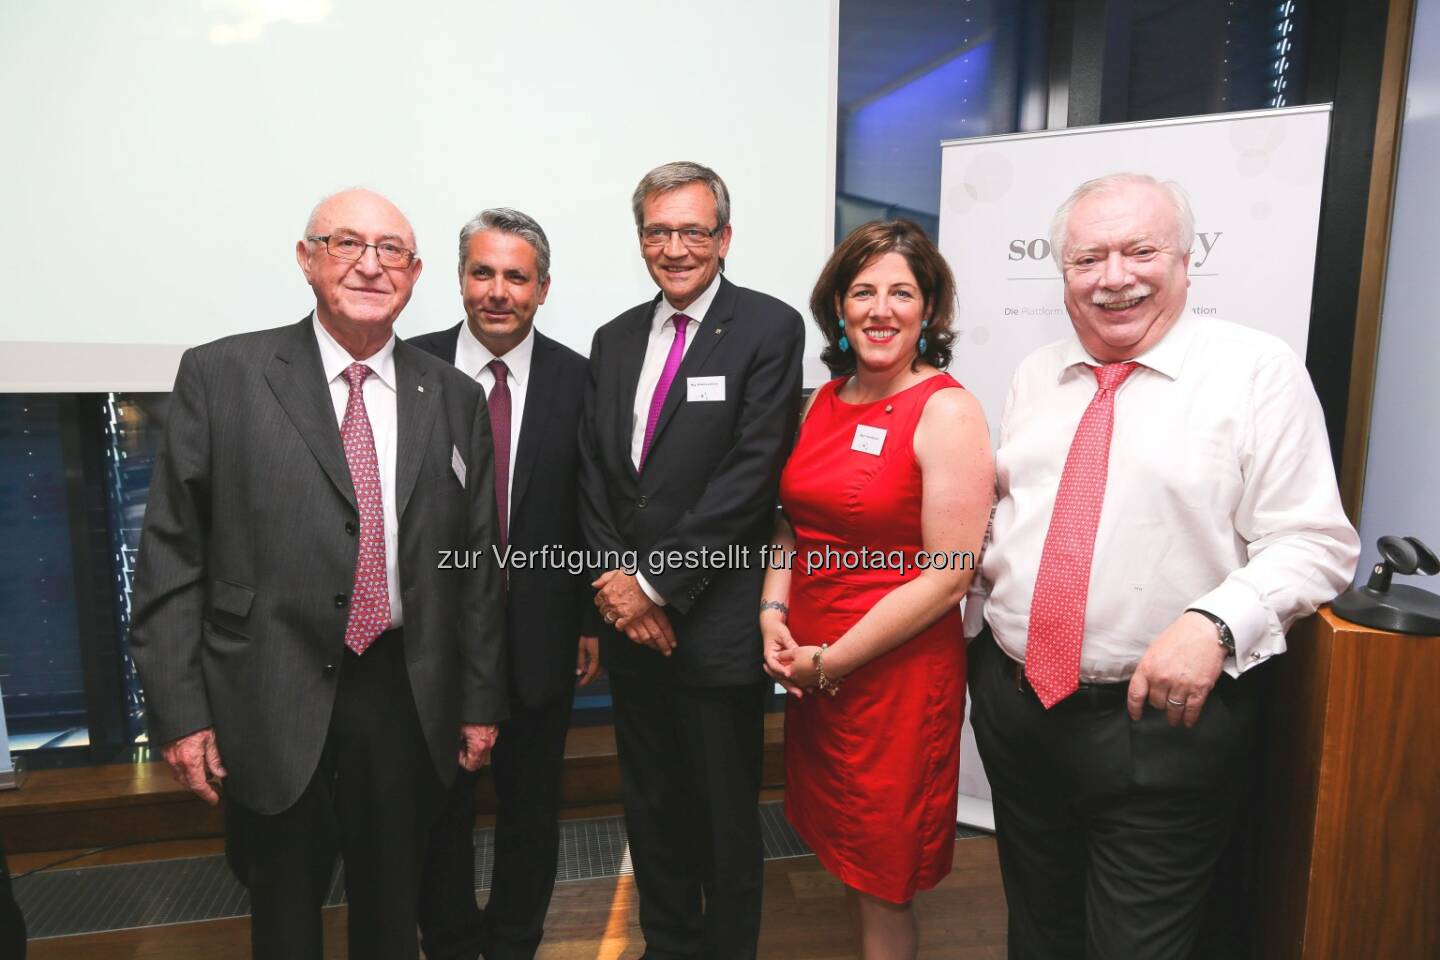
370 598
1062 585
672 367
499 406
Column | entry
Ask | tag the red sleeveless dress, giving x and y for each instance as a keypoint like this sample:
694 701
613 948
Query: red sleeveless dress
871 775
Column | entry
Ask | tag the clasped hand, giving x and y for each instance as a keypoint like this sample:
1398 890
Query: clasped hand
786 662
622 603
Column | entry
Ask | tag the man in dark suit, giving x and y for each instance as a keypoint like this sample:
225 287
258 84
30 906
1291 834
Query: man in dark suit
535 388
692 403
290 614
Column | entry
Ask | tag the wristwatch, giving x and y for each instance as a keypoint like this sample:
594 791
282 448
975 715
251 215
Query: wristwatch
1227 639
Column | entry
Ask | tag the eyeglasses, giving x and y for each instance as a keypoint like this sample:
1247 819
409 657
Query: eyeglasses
694 237
344 247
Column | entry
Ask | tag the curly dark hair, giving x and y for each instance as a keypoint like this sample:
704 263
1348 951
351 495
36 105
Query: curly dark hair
864 244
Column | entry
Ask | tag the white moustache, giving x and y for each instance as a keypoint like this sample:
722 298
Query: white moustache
1103 297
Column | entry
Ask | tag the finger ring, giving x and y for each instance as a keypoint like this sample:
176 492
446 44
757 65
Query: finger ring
609 618
1174 703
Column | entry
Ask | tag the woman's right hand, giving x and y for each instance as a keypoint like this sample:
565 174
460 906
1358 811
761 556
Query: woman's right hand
775 634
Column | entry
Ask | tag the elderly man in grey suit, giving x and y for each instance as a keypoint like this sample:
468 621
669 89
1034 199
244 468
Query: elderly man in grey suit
296 636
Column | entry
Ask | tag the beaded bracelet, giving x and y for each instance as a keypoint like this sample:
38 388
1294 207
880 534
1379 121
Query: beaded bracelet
827 686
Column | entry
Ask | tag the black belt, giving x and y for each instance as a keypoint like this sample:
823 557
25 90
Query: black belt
1086 694
1096 694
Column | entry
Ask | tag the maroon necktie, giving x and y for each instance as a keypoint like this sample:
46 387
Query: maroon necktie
499 406
1062 585
662 387
370 597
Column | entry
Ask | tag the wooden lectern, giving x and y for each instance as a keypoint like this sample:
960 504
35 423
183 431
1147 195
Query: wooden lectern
1350 864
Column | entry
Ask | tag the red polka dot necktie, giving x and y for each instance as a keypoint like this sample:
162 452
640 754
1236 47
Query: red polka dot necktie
499 407
662 387
1062 585
370 598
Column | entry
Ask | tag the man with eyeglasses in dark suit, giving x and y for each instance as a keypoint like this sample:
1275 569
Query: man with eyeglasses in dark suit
692 403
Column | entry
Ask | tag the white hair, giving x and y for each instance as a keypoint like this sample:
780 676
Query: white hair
1110 183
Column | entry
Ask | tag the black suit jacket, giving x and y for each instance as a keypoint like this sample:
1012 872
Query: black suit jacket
548 607
248 557
710 479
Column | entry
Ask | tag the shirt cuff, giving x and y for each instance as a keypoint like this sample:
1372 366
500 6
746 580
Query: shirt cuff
650 592
1254 626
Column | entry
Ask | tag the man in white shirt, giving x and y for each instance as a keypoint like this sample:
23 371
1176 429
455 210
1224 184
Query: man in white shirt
535 388
1166 509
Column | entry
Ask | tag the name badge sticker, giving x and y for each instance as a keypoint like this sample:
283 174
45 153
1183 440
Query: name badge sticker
704 389
868 439
457 463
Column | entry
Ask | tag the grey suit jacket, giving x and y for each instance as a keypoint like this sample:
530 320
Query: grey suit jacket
248 557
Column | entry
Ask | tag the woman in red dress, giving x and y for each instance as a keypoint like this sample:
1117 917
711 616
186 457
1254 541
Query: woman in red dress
886 497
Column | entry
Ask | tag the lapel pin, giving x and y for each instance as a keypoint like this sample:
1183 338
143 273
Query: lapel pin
719 330
420 388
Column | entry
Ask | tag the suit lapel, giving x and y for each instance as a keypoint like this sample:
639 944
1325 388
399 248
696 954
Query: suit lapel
539 402
632 357
298 381
452 343
417 400
710 333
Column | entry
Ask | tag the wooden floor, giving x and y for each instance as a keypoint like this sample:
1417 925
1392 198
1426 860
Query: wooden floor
806 916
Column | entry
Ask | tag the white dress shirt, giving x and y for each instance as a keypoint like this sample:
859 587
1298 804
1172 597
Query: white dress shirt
379 391
472 358
657 348
1220 495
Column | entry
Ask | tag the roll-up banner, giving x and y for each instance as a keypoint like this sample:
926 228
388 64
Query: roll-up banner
1254 181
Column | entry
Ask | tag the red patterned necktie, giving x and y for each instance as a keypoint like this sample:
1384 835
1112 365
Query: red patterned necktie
499 406
1062 585
370 598
657 399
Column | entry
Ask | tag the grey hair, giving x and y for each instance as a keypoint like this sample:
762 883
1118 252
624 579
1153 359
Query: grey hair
671 176
511 221
1111 182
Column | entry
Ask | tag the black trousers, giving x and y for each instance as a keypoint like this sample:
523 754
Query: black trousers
372 800
527 762
690 762
1108 830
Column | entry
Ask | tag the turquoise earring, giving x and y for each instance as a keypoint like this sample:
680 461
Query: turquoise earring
920 347
844 340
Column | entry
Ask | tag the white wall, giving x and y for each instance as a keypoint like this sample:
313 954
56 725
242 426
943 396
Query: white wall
162 157
1402 472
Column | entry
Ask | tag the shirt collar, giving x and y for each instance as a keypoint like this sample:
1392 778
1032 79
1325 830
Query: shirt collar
1166 357
696 311
335 358
472 356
